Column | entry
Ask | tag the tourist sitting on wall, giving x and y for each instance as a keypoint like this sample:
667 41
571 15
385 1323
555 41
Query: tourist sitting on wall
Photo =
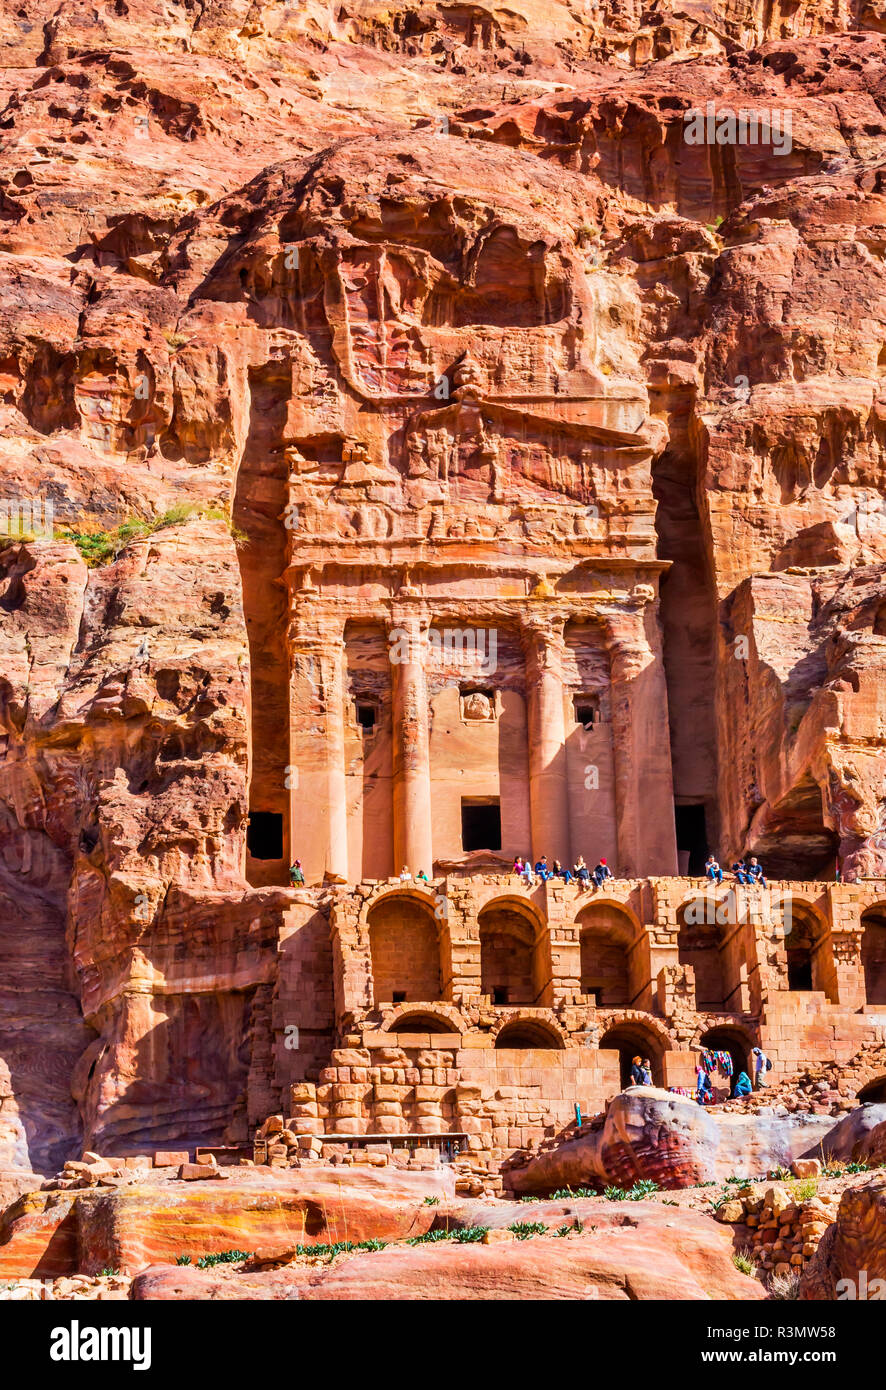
422 876
405 875
712 870
518 864
528 874
740 871
755 873
542 869
560 872
581 871
637 1071
743 1085
602 871
296 877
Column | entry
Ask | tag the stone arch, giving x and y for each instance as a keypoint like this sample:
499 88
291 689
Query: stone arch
734 1040
703 926
873 1092
631 1037
873 954
612 970
514 962
524 1032
405 949
423 1021
808 950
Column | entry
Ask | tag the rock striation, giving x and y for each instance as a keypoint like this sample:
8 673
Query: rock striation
332 327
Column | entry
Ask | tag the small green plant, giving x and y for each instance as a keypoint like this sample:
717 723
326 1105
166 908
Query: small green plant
469 1235
182 1259
806 1189
644 1188
565 1194
524 1229
563 1230
780 1174
744 1262
100 547
856 1168
429 1238
667 1202
344 1247
108 1271
224 1257
432 1201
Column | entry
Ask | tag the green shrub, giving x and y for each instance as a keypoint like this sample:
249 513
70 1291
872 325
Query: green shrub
224 1257
101 547
524 1229
744 1262
182 1259
470 1234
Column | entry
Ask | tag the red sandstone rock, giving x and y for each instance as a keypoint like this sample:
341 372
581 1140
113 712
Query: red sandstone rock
851 1258
64 1233
658 1254
665 430
677 1143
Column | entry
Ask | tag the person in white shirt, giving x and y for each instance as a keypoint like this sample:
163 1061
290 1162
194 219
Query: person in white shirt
405 875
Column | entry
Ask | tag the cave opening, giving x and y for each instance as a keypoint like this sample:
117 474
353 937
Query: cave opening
692 838
264 835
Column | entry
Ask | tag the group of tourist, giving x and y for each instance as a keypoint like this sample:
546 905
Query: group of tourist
752 872
704 1092
580 872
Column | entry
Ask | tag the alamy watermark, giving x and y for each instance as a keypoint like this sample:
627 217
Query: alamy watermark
723 126
475 649
863 1289
24 516
738 905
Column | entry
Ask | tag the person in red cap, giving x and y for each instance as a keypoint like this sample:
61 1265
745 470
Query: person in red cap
602 871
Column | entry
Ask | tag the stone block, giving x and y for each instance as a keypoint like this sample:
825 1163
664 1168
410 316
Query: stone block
174 1158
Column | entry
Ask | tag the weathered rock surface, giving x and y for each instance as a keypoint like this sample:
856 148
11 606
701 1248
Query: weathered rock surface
54 1233
634 1254
853 1249
678 1143
513 181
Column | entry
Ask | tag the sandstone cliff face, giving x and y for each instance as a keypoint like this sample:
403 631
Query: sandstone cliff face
225 243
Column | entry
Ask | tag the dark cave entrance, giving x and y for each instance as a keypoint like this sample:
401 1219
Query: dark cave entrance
692 839
264 835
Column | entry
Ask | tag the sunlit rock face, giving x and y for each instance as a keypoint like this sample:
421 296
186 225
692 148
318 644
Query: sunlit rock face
481 457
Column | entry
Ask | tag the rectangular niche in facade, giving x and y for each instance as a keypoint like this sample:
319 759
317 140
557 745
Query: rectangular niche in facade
587 709
480 823
264 835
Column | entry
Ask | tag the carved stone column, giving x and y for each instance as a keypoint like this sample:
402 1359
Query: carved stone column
548 792
317 777
644 789
413 840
